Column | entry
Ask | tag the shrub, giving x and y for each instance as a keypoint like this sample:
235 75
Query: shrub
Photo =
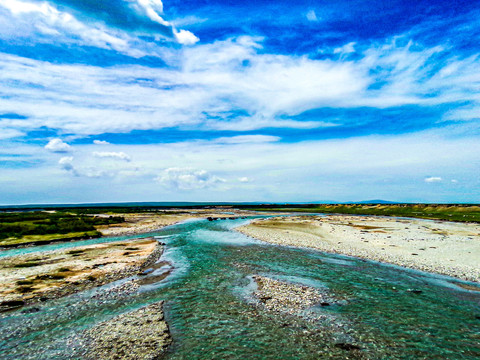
27 264
24 282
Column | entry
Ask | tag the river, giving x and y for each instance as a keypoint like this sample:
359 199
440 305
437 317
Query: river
390 312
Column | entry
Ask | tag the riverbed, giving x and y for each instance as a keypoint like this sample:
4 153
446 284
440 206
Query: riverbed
383 312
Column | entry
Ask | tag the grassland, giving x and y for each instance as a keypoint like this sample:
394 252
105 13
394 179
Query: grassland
450 212
19 228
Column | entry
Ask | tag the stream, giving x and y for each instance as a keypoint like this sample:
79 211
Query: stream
388 311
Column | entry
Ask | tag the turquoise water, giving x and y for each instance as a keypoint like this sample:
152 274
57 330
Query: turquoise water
207 297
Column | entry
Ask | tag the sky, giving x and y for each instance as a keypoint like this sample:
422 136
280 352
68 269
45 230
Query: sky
231 101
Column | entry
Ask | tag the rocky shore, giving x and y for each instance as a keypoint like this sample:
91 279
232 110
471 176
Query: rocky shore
137 335
297 300
68 276
142 223
281 296
436 246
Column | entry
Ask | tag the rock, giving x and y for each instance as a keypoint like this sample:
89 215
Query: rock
31 310
10 305
146 272
348 347
415 291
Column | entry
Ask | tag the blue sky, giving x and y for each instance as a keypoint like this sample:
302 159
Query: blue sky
144 100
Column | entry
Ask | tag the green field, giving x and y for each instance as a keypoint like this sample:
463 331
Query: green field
18 228
450 212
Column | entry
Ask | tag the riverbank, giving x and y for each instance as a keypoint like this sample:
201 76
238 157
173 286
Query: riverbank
27 279
138 223
435 246
140 334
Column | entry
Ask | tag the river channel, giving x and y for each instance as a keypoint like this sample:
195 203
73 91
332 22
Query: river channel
387 311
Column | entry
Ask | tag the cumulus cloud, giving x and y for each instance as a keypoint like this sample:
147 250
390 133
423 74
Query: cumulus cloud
433 179
48 22
66 163
45 21
101 142
244 179
188 179
186 37
58 146
112 155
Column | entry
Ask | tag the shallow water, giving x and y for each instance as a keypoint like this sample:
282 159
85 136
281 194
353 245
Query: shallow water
208 310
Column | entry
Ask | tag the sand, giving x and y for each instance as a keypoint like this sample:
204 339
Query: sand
142 223
29 278
436 246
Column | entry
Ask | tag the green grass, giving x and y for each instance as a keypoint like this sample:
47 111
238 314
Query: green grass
17 225
75 252
459 213
48 237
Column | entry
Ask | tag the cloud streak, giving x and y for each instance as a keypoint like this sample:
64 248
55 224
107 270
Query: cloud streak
230 85
112 155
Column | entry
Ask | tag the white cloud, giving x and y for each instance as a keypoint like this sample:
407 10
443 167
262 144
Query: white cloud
230 85
58 146
10 133
188 179
433 179
112 155
186 37
44 21
345 49
66 163
244 179
245 139
227 85
101 142
153 9
311 15
454 181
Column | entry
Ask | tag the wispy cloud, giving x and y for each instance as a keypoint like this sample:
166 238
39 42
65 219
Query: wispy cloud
232 85
101 142
112 155
433 179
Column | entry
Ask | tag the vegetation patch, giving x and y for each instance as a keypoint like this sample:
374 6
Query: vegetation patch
450 212
20 227
25 282
73 252
27 264
25 289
